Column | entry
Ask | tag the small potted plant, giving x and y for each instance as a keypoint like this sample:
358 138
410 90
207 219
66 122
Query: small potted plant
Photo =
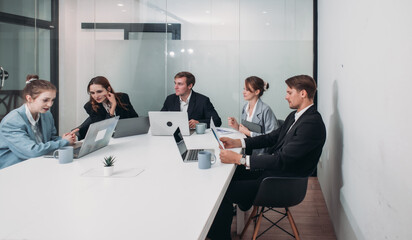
108 165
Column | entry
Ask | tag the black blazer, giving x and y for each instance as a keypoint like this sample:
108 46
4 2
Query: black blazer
102 114
200 108
293 153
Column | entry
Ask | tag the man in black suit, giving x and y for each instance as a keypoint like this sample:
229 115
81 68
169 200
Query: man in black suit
295 150
198 107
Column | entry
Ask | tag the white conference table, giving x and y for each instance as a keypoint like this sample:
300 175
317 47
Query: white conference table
42 199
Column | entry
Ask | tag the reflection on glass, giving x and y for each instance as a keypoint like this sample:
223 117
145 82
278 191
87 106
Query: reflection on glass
222 43
22 54
41 10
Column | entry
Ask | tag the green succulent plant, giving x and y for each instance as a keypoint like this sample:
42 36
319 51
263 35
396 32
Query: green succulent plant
109 161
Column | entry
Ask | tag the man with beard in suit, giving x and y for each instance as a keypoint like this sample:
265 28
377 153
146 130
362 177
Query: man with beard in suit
295 148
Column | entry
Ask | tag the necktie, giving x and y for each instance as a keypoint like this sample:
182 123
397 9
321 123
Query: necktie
293 123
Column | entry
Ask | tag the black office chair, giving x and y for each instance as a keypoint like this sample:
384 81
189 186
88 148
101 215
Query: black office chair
277 192
280 122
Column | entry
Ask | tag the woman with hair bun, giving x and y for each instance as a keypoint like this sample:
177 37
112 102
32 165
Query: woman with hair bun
104 103
255 110
29 131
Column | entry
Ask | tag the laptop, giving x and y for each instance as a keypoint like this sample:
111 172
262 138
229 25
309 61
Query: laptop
131 126
98 136
253 127
165 123
188 155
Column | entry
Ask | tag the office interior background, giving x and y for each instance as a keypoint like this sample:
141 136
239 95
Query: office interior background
361 52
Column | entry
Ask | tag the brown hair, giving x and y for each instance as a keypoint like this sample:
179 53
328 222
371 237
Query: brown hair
102 81
35 87
32 76
190 78
303 82
254 83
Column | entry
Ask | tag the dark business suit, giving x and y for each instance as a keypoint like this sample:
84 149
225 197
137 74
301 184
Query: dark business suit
292 153
102 114
200 108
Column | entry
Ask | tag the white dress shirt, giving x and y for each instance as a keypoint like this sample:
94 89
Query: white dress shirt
34 124
249 117
185 104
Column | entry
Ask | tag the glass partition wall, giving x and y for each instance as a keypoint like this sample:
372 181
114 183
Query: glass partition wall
28 45
140 45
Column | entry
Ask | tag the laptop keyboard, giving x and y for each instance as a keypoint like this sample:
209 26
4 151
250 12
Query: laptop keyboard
193 154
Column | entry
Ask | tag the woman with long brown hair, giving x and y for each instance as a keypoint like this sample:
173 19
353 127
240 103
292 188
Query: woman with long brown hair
104 103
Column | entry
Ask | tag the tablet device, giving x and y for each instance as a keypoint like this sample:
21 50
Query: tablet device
215 133
253 127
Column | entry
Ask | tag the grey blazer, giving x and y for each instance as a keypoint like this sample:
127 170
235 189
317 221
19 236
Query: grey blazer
263 116
17 140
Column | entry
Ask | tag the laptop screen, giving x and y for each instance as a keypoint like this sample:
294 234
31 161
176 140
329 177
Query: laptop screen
180 142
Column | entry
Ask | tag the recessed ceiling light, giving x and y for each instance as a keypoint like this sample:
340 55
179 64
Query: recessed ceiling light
120 4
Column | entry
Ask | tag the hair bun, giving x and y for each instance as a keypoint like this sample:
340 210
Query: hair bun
31 80
265 86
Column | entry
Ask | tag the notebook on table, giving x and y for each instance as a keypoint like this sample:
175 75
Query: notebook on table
188 155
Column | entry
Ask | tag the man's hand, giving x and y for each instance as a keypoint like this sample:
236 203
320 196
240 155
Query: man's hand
228 156
230 142
192 123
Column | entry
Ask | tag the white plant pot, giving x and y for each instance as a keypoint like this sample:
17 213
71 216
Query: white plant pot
108 171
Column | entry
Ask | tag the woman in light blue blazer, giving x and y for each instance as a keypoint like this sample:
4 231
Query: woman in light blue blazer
29 131
255 110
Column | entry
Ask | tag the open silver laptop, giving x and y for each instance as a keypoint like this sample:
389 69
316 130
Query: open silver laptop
165 123
188 155
131 126
98 136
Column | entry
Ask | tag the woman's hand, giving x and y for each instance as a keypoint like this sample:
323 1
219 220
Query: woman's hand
244 130
110 96
112 99
70 136
233 123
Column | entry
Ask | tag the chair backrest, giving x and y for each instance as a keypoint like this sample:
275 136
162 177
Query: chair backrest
9 100
280 192
280 122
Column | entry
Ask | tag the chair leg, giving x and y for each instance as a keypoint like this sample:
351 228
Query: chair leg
255 208
258 224
292 224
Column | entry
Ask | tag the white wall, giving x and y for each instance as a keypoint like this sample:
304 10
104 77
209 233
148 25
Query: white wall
365 59
230 39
